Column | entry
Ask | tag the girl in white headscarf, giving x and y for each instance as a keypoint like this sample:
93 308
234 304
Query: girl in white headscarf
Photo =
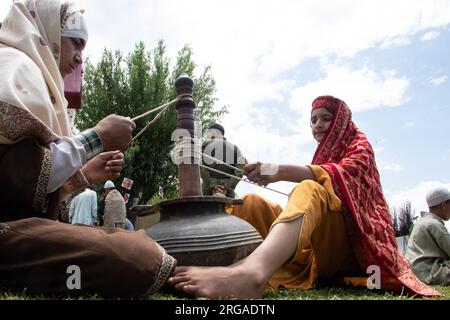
41 162
41 41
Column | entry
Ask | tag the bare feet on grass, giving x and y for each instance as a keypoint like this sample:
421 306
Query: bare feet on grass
219 282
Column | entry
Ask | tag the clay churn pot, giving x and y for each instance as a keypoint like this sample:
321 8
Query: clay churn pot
196 229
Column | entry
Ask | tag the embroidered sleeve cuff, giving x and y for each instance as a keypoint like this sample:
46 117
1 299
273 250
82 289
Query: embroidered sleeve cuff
75 183
91 143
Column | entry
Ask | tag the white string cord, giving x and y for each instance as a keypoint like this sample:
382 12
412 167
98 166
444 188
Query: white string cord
164 108
221 162
151 122
187 148
168 104
243 179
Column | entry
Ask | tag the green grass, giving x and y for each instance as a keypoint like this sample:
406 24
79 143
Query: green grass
311 294
330 294
14 295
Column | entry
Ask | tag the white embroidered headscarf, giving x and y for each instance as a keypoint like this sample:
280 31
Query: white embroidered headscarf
75 26
32 101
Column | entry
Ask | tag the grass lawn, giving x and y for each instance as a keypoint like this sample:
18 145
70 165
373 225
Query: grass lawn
331 294
312 294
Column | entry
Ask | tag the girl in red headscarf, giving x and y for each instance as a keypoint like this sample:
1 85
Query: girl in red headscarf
336 227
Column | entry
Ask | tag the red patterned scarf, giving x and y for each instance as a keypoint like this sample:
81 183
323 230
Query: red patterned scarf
347 156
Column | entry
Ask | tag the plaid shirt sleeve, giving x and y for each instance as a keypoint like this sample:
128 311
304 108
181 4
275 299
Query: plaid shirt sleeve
91 143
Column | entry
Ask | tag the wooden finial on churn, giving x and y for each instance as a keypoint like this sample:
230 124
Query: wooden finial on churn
188 173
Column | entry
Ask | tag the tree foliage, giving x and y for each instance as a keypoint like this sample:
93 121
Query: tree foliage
131 86
403 219
395 221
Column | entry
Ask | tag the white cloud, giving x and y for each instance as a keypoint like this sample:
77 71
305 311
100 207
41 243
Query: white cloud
251 43
362 89
430 36
378 150
395 42
416 195
410 125
260 143
390 166
439 80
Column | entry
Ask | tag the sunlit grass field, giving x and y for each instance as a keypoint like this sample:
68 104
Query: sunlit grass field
311 294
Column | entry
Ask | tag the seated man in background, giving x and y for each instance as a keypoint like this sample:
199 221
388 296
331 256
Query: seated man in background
217 147
115 211
429 246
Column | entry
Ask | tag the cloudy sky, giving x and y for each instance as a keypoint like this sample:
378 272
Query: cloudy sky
389 60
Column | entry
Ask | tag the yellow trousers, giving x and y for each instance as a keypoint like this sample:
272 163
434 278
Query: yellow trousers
323 249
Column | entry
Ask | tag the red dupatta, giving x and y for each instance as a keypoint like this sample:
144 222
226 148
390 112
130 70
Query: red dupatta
347 156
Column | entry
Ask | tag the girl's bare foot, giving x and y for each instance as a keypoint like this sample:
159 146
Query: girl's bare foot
220 282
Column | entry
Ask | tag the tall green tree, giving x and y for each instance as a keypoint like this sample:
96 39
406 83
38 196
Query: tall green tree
405 217
131 86
394 216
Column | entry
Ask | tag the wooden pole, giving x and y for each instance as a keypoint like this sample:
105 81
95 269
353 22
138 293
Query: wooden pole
188 173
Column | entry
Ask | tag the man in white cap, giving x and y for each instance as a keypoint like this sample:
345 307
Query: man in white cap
429 246
115 211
